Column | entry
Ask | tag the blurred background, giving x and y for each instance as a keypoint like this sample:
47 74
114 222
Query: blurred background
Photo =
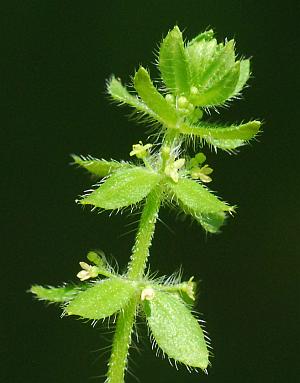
56 57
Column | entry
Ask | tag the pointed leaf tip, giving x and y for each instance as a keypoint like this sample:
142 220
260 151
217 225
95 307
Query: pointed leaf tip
221 136
159 106
200 203
99 168
243 77
203 36
55 294
120 94
173 63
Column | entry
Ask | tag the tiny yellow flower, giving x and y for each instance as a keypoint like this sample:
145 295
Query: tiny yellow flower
202 173
190 288
87 271
139 150
148 294
172 168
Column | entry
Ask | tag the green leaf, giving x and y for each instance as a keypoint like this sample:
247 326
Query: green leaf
164 112
214 73
204 36
123 188
173 63
119 93
220 90
244 76
215 77
103 299
100 168
200 203
200 55
223 137
55 294
175 330
222 61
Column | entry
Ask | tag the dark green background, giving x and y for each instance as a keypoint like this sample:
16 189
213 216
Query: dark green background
57 56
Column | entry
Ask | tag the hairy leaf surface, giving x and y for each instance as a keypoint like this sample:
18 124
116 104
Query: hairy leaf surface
173 63
221 62
103 299
200 55
175 330
203 36
100 168
220 90
55 294
223 137
200 203
165 113
123 188
244 75
120 94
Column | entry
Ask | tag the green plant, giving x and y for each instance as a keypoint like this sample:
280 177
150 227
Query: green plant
196 77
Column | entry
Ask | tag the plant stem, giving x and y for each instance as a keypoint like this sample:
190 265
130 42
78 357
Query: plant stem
121 343
170 138
144 235
136 269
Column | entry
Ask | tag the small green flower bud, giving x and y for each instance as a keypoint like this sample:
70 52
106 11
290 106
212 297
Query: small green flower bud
182 102
200 158
196 161
93 257
190 107
170 98
195 115
194 90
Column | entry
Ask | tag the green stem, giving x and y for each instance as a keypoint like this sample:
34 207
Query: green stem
136 269
122 339
170 138
144 235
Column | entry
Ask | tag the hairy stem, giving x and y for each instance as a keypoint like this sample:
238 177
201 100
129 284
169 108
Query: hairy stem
144 235
170 138
121 343
136 269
